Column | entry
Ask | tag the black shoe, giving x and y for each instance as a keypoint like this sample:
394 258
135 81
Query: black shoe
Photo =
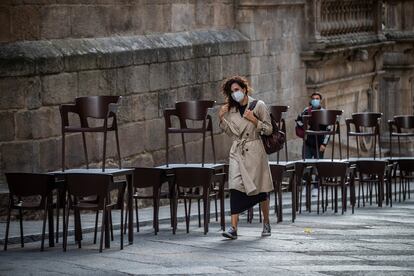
267 230
231 233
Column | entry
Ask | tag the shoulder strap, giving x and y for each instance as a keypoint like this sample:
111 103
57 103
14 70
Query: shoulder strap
253 104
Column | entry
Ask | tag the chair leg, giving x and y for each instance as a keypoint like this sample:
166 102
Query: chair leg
42 246
122 226
102 226
215 206
206 205
96 226
85 150
118 148
187 216
21 227
66 227
6 238
111 225
63 151
204 149
166 148
185 153
212 146
104 151
136 213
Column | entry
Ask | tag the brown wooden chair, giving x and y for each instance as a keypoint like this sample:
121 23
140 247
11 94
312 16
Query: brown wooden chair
318 118
195 111
153 178
96 107
406 168
401 126
366 124
277 113
278 173
334 175
186 180
372 173
83 185
28 191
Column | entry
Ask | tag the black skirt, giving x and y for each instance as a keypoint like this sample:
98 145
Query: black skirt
240 202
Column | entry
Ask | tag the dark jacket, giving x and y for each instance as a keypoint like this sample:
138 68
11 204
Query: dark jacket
311 140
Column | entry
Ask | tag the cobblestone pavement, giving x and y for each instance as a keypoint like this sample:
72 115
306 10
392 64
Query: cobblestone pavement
373 241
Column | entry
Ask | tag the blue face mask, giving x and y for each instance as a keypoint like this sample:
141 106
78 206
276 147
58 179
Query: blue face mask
238 96
315 103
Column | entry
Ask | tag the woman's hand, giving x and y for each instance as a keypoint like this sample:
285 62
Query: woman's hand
223 110
249 115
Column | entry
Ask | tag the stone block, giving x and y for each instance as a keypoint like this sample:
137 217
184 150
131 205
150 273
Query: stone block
6 126
248 29
154 134
225 48
203 14
202 72
25 22
159 76
91 21
152 15
74 153
230 65
182 73
55 22
166 99
20 93
140 160
255 65
97 82
49 154
182 17
18 156
224 15
40 123
77 54
257 48
216 68
189 93
112 52
5 34
158 157
147 104
60 88
131 139
15 61
266 83
120 18
133 79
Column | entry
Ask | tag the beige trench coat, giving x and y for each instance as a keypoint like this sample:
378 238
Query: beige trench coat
249 170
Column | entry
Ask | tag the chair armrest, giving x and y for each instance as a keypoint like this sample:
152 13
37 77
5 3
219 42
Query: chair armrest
168 112
65 109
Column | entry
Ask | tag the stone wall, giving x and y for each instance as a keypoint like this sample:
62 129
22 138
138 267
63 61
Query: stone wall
150 73
57 19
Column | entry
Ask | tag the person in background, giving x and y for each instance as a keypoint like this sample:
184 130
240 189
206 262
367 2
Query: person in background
312 141
250 179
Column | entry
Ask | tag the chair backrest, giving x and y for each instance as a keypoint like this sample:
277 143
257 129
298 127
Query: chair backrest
29 184
95 106
277 111
277 173
376 167
404 122
332 169
193 177
406 165
148 177
82 185
193 110
324 117
366 119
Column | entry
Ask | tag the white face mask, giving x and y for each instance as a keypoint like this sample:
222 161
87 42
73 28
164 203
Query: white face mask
238 96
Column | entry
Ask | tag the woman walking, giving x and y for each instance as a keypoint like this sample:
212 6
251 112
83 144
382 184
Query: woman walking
250 180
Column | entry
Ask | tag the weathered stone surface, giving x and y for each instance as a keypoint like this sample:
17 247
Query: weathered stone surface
26 21
60 88
97 82
5 24
90 21
182 73
18 157
159 76
55 22
7 126
154 134
49 154
46 120
182 17
132 139
133 79
19 93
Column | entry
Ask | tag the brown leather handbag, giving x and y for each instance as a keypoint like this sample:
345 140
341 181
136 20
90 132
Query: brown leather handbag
274 142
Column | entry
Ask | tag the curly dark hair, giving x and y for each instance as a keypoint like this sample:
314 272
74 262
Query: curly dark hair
226 89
